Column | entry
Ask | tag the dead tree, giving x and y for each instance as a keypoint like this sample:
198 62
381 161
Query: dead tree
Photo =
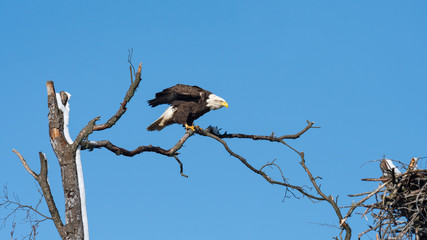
67 153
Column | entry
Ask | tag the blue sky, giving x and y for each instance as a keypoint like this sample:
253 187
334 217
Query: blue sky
358 69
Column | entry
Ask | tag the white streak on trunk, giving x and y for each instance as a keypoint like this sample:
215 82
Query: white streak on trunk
82 194
66 113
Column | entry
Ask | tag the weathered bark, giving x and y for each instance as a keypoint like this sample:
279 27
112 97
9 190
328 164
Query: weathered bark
66 155
44 184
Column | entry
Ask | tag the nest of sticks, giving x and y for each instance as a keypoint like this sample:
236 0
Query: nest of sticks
400 206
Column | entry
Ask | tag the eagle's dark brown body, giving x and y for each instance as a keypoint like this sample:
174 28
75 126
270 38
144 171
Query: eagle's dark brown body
187 112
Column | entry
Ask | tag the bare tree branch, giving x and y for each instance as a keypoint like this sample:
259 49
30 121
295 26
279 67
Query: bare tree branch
214 133
22 206
355 205
180 143
131 67
329 198
181 168
16 207
90 145
217 137
172 152
25 164
47 194
271 138
122 109
84 133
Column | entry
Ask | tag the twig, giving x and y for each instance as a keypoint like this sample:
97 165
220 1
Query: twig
131 67
181 168
25 164
270 138
32 213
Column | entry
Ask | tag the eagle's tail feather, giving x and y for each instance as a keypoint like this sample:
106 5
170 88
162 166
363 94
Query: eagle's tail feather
156 125
164 120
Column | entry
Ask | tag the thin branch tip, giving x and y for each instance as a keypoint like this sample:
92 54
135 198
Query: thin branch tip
25 164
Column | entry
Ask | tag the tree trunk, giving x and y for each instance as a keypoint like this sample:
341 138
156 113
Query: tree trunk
66 154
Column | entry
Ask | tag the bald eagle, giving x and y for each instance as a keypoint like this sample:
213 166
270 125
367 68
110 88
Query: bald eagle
187 103
388 168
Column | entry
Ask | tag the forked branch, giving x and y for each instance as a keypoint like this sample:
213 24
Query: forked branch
172 152
24 163
43 182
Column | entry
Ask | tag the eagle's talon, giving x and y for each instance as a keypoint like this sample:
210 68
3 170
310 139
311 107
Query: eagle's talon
190 127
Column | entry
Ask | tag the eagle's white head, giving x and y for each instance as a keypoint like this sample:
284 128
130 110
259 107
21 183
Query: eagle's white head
214 102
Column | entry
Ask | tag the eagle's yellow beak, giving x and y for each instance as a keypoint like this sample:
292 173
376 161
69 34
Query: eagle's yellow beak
225 104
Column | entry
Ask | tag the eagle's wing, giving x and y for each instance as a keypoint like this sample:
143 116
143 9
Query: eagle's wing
179 92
